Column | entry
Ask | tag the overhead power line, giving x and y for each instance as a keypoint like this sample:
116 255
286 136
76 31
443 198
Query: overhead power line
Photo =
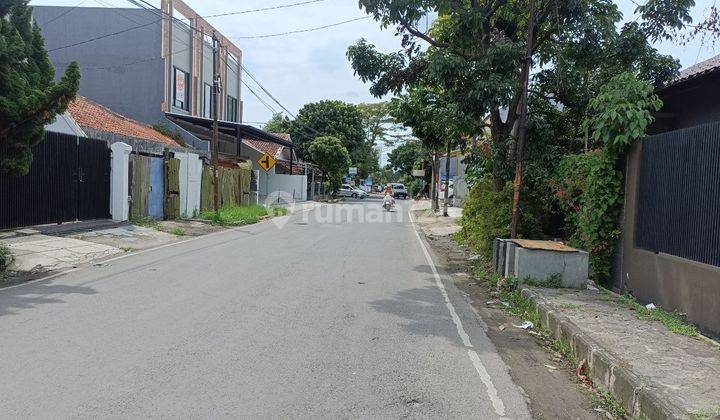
104 36
263 9
262 101
63 13
317 28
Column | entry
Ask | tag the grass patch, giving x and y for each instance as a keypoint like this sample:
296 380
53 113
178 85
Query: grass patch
241 215
4 257
178 231
520 306
147 222
607 402
672 320
552 282
705 414
566 352
277 211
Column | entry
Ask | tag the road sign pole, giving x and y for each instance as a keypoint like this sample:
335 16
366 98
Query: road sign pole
215 93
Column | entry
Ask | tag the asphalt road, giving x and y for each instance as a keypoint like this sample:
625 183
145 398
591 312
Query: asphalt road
337 313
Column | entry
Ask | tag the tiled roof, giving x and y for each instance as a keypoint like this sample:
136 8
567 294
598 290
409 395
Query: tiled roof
699 69
273 149
92 115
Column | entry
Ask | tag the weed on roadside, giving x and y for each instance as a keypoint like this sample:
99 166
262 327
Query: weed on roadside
147 223
706 414
672 320
552 282
240 215
4 257
178 231
520 306
277 211
565 351
605 401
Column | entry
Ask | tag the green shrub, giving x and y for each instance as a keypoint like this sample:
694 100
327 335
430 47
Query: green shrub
413 187
486 216
4 257
618 116
569 183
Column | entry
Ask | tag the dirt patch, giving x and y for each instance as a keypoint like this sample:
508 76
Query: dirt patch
189 227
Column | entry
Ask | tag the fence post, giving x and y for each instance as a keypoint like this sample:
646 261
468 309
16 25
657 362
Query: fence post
119 173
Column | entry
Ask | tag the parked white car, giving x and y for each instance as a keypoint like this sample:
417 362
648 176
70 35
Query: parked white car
361 193
347 190
398 190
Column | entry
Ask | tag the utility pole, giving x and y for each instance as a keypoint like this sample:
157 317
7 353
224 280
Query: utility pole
215 94
522 121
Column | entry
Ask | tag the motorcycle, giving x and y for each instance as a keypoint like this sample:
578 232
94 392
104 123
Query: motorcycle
388 204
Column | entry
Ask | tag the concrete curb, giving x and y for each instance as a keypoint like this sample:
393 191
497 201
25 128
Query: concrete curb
640 399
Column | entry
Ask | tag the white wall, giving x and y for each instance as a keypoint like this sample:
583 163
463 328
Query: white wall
119 175
293 185
190 183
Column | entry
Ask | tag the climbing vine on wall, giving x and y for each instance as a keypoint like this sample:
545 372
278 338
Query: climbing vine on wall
618 116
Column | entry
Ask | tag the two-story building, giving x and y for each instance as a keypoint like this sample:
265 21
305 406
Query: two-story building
146 62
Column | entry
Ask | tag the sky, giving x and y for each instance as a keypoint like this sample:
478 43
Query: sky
308 67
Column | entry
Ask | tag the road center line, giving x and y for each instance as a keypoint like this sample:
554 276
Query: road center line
497 402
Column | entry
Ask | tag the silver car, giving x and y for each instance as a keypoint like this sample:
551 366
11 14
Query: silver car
347 190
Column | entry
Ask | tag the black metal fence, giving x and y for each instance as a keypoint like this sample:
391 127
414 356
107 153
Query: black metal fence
69 180
678 202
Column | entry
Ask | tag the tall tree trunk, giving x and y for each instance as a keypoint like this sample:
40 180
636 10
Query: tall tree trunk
522 126
435 181
447 178
432 182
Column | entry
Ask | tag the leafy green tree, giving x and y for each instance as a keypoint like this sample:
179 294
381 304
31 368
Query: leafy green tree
331 157
338 119
408 156
434 120
29 99
380 126
618 116
277 124
476 51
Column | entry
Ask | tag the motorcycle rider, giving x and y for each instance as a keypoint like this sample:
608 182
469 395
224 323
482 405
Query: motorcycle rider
388 199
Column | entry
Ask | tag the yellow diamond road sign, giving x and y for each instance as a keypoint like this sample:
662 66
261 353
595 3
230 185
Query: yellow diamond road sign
266 162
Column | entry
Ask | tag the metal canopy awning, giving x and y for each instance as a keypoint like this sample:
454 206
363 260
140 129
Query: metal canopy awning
202 128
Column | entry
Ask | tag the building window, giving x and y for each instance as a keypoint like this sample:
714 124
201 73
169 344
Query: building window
181 90
232 109
207 101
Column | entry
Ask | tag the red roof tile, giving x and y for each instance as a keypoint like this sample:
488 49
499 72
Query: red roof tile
92 115
273 149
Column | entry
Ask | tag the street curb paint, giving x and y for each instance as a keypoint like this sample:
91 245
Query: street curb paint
604 369
492 393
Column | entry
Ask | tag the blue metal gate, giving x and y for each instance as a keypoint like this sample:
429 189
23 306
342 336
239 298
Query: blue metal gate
157 188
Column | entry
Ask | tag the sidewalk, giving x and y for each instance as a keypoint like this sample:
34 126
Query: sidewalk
41 253
649 369
43 249
434 225
653 372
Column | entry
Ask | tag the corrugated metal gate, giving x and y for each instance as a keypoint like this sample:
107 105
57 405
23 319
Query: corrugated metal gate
69 180
678 202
